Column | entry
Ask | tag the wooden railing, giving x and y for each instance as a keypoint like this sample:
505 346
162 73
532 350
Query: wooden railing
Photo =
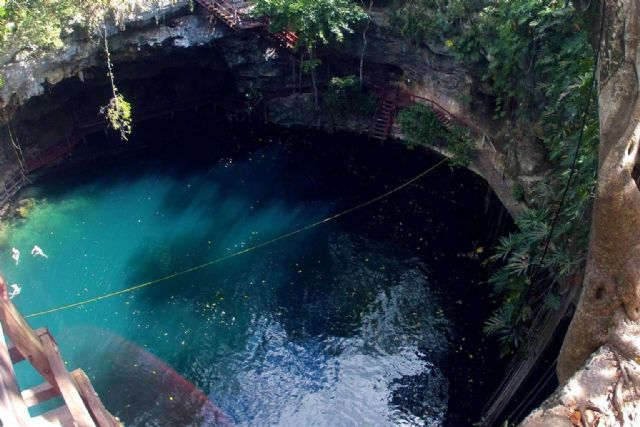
383 118
38 159
11 186
50 154
439 109
82 407
221 9
406 99
237 18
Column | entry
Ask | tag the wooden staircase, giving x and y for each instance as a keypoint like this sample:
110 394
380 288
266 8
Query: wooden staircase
235 14
231 13
383 118
81 408
222 10
444 118
392 99
11 186
287 39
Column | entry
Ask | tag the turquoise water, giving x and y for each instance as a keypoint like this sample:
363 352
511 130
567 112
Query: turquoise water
360 321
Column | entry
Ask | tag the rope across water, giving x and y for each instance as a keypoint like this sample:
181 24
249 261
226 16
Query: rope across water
242 252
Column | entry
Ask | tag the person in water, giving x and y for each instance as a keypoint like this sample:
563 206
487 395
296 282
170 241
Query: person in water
15 254
37 251
4 295
15 291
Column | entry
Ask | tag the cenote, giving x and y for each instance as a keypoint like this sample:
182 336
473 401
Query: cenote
373 318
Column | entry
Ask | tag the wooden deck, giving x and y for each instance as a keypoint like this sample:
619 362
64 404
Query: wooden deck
82 406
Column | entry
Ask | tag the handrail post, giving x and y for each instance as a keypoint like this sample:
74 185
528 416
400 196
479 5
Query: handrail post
22 335
16 412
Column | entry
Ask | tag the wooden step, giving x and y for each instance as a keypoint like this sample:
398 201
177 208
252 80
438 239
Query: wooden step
39 394
57 417
16 356
97 410
66 385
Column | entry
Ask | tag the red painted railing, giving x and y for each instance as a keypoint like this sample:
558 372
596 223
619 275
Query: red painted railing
384 115
221 9
439 110
406 99
52 153
65 147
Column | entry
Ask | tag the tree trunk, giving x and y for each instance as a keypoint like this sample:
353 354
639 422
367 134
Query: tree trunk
364 42
611 291
314 78
599 364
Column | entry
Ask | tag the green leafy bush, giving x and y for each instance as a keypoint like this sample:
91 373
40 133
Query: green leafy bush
118 113
30 27
344 98
533 57
422 127
315 22
428 21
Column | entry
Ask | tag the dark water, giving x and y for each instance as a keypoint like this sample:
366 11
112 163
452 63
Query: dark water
372 319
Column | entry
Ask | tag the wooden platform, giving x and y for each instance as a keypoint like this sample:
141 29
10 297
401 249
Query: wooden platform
82 406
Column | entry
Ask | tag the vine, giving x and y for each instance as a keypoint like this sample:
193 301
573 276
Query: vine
118 110
533 59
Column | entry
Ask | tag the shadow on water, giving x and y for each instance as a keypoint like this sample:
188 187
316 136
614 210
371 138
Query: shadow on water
372 319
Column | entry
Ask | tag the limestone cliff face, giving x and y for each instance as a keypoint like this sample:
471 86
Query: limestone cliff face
173 53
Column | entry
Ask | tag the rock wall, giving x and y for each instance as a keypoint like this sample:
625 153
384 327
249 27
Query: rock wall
43 100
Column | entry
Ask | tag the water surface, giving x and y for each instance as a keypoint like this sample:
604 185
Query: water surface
372 319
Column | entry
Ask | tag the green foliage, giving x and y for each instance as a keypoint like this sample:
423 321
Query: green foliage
534 58
561 123
422 127
525 280
514 46
423 21
30 27
344 98
35 23
521 46
309 65
314 21
518 192
118 113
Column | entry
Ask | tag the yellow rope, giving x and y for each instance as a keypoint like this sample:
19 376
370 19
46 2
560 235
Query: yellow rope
235 254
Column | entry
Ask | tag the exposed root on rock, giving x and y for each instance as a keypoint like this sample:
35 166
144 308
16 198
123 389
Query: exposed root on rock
604 393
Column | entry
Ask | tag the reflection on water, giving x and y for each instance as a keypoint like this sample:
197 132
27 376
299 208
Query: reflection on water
351 323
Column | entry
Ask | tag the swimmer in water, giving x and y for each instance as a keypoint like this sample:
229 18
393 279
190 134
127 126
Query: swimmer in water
37 251
15 254
15 291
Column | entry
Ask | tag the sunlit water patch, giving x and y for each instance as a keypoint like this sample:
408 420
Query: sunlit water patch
356 322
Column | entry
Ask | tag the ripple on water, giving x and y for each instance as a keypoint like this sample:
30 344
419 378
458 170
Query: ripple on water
360 378
336 326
